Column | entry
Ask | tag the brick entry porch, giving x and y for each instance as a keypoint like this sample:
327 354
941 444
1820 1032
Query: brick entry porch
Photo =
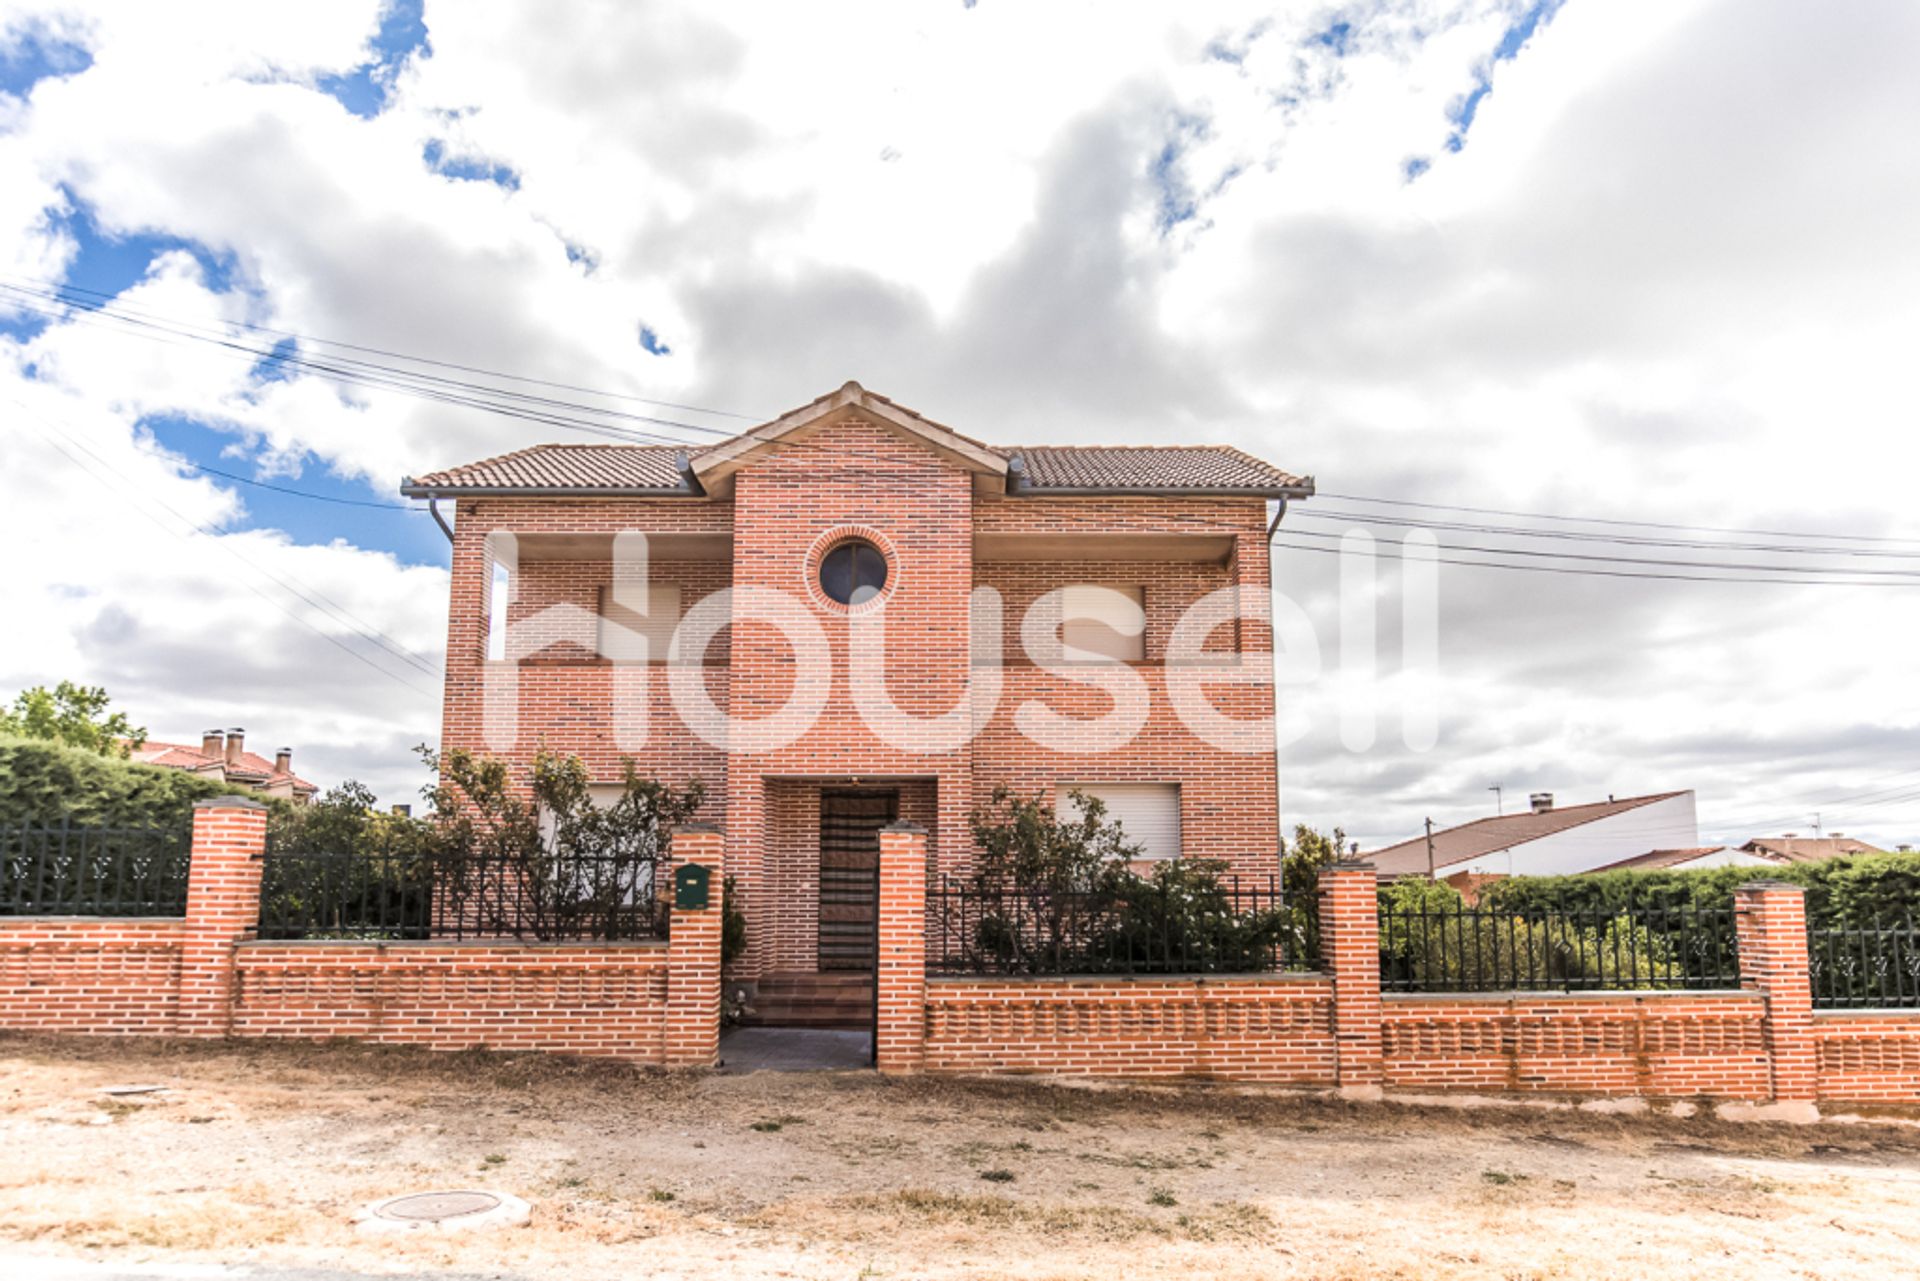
812 925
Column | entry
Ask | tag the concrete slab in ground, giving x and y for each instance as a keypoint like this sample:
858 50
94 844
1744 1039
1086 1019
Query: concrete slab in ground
795 1049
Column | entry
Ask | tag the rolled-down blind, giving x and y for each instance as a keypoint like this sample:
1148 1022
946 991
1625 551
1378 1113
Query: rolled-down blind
1149 813
628 636
1103 620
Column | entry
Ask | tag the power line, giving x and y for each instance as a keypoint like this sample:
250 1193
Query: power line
318 599
55 288
1607 573
1623 540
1601 520
1909 577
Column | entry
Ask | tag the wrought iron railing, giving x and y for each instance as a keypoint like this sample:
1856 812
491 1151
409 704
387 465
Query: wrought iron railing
1865 968
68 869
1240 926
1643 947
413 895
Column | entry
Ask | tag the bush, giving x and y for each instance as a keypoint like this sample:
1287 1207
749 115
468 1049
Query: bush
1859 891
1431 941
1053 895
44 783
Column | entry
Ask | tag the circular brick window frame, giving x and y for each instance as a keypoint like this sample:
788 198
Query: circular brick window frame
833 538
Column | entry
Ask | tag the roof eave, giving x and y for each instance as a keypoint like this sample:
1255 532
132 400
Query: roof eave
411 489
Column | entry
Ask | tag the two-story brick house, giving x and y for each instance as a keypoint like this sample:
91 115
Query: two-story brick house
849 516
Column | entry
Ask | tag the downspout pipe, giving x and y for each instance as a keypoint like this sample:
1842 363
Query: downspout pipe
1273 641
433 507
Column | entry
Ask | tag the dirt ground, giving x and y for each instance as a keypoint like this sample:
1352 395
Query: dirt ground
261 1153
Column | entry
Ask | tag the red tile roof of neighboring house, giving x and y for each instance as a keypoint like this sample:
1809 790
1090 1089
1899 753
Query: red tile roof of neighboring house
1484 836
246 767
1809 849
1654 860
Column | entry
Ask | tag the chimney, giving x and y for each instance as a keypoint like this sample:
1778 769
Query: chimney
236 740
210 743
1541 802
283 761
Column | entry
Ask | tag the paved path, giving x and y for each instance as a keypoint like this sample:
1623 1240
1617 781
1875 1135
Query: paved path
31 1267
794 1049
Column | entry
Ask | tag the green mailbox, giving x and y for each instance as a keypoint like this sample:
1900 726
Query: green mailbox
690 881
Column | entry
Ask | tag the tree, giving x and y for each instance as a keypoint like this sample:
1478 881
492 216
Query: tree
1300 866
74 716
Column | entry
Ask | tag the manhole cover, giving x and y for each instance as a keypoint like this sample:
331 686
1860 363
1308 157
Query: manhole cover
434 1207
446 1211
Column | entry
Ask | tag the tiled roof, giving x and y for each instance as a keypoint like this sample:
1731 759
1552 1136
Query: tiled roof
1654 860
641 467
1809 849
1147 467
247 767
1484 836
564 467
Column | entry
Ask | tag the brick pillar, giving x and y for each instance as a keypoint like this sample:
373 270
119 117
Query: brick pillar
693 956
900 978
223 908
1770 927
1350 952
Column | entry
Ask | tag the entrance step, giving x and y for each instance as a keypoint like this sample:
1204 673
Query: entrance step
813 1000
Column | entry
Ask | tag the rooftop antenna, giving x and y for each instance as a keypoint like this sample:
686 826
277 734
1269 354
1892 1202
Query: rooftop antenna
1816 825
1499 800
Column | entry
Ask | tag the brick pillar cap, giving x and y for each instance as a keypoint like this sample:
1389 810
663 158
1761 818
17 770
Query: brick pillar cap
229 803
901 825
1771 885
1350 865
678 828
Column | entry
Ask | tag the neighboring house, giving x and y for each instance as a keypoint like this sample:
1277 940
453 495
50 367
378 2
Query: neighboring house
223 755
1548 841
1807 849
1690 860
856 508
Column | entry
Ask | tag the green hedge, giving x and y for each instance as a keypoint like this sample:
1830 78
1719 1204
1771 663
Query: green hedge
1859 891
42 782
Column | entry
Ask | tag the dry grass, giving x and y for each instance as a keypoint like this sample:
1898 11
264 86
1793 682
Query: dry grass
263 1152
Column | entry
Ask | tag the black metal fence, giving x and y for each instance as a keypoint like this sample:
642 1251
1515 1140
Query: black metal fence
1643 947
411 895
68 870
1238 927
1877 968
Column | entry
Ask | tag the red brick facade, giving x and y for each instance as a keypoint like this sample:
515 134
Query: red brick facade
855 475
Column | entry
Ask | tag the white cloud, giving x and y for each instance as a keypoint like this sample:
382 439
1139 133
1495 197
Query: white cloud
1670 275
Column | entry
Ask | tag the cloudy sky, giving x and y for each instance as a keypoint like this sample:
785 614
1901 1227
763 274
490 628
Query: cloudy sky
1518 260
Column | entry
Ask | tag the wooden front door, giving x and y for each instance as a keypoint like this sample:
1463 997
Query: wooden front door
850 823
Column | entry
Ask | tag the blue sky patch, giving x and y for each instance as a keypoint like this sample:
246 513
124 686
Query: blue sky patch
109 264
37 55
327 506
651 343
1415 166
1338 37
402 34
1537 15
467 168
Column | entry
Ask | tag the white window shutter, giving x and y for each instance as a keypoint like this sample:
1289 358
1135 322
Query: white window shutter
1103 621
628 636
1148 813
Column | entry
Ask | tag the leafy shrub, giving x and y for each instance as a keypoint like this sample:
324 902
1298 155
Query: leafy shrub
1859 891
1053 895
44 782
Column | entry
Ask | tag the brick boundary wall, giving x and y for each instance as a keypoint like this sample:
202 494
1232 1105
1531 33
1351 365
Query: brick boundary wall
1655 1044
1275 1028
605 999
205 974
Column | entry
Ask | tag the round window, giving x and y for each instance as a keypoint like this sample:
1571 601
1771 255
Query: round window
853 572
